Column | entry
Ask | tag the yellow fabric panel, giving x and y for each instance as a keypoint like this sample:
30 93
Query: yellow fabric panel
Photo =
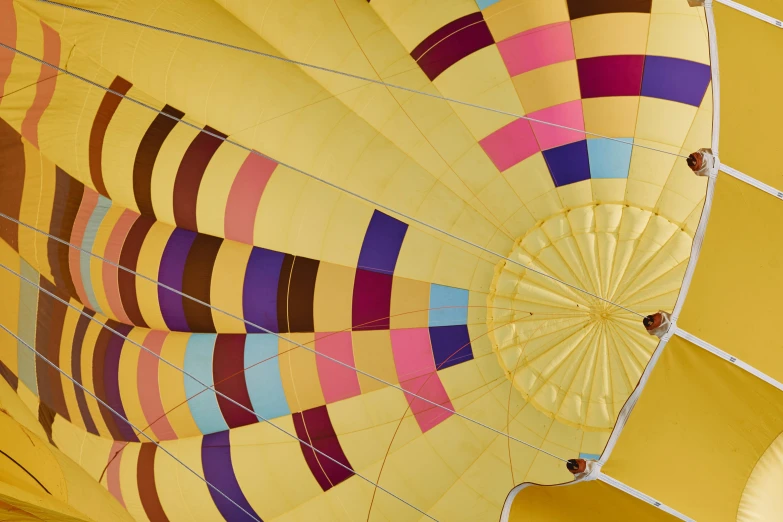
418 255
128 380
97 266
94 328
679 31
592 501
760 499
663 121
90 452
332 298
164 172
681 444
372 353
148 265
608 190
455 267
414 21
299 373
410 303
310 220
750 116
65 362
620 33
36 210
548 86
576 194
509 17
613 116
768 7
228 277
129 482
172 386
741 256
9 305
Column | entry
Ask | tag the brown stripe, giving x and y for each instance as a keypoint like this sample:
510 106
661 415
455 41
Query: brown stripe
12 170
76 369
9 376
301 293
129 257
582 8
67 199
282 293
197 280
99 386
145 473
48 334
189 175
46 417
150 145
103 117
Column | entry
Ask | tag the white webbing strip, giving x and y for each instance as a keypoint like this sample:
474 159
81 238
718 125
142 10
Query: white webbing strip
752 181
752 12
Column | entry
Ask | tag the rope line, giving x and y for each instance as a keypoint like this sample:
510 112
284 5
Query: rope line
91 394
265 330
217 392
350 75
316 178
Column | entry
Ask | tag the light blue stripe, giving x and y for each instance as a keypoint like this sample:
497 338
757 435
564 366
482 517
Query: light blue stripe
483 4
609 159
89 239
589 456
446 296
198 363
28 312
263 381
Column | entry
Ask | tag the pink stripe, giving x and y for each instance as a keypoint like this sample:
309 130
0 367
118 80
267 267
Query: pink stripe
89 202
568 114
8 37
511 144
337 382
429 387
110 273
149 388
113 472
412 353
44 90
245 196
537 47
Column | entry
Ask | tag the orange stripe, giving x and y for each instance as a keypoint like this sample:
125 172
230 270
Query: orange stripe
8 37
110 272
44 89
244 197
89 202
113 472
149 389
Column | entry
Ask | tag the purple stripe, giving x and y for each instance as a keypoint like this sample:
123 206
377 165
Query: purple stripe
111 377
218 470
259 292
450 345
676 80
172 267
382 243
611 75
569 163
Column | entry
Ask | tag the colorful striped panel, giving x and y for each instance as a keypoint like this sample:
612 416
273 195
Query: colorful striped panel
611 75
105 367
675 80
245 196
229 372
12 159
608 158
537 47
295 293
172 269
145 480
262 375
129 258
337 381
67 199
197 282
450 345
259 292
315 427
429 387
483 4
48 331
567 114
448 306
110 273
219 471
569 163
86 209
28 318
113 472
8 37
148 150
44 87
451 43
371 300
100 125
382 243
202 401
88 240
582 8
148 385
191 171
510 144
76 371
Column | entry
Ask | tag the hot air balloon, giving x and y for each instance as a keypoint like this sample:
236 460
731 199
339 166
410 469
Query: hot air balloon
387 260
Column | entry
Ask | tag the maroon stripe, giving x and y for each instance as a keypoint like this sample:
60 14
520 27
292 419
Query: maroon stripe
229 375
68 194
76 369
148 492
282 293
129 257
44 315
315 427
46 417
99 386
301 294
48 333
189 175
197 281
150 145
451 43
12 170
100 124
